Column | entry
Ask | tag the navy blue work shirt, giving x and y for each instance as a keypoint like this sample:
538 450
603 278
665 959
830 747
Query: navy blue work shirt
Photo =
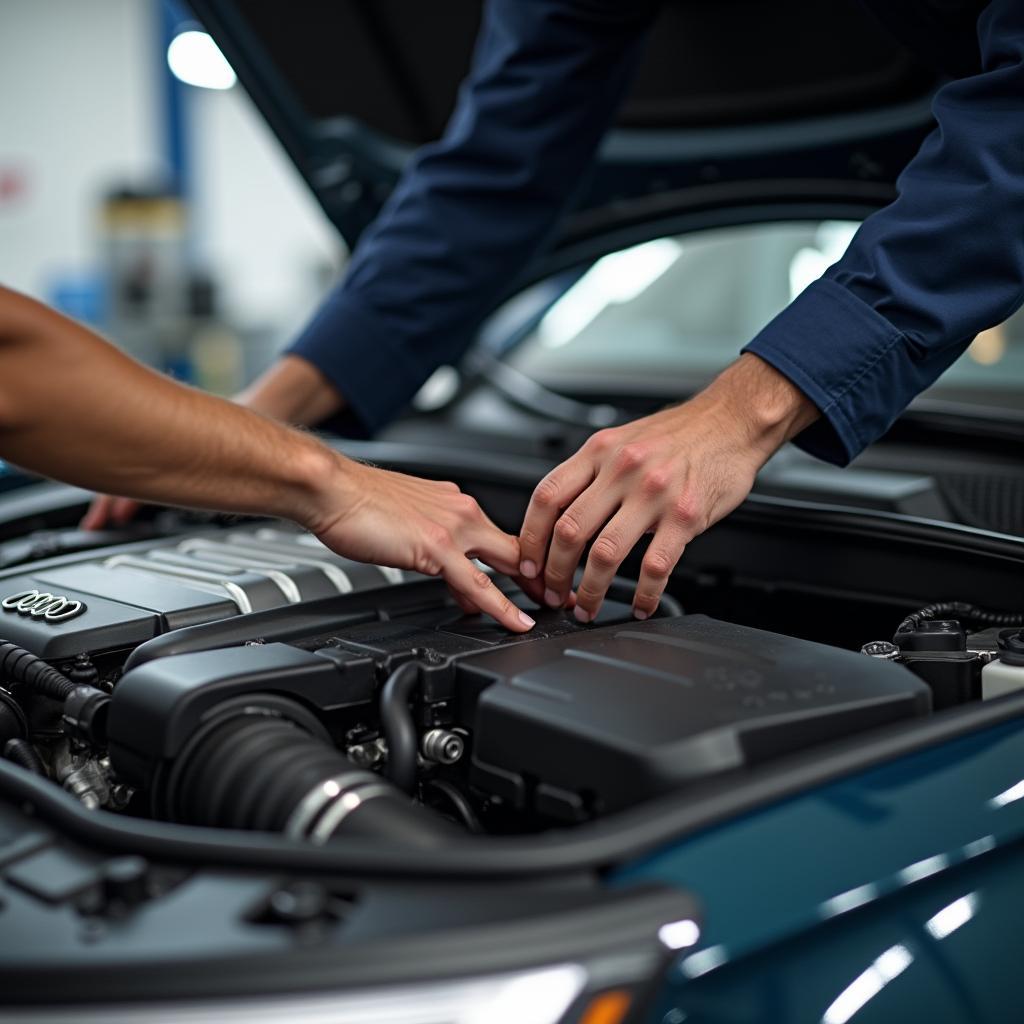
920 279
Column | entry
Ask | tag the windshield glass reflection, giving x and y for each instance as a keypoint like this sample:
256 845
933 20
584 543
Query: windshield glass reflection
680 308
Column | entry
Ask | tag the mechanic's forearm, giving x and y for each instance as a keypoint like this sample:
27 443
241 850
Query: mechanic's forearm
75 408
764 406
293 390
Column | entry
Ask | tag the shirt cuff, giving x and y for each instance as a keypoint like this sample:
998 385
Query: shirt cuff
847 359
376 377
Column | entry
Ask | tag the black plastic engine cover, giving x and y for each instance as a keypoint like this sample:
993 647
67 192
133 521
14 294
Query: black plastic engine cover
590 723
337 652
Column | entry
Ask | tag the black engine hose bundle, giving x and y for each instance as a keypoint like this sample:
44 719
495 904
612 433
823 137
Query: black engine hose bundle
960 610
85 707
22 753
260 770
22 668
398 726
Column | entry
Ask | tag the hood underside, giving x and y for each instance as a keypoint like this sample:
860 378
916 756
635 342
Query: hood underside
802 92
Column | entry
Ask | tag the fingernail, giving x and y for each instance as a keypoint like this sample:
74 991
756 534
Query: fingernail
551 599
526 620
528 569
640 614
581 614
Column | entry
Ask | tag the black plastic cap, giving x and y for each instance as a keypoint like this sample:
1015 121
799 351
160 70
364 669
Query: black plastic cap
933 635
1011 646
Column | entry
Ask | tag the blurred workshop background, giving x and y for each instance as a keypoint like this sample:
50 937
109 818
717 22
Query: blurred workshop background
142 193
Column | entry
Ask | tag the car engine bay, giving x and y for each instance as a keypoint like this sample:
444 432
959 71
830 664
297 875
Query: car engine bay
249 678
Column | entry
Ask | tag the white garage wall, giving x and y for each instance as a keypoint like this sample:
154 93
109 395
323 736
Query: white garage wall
254 215
81 109
77 92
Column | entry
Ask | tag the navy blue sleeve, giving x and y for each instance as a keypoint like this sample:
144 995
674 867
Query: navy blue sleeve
925 274
471 209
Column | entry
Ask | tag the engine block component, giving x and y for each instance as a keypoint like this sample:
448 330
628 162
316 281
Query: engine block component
92 603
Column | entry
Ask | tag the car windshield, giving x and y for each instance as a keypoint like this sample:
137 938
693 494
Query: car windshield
666 315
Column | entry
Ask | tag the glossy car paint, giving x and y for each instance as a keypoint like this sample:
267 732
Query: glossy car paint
895 894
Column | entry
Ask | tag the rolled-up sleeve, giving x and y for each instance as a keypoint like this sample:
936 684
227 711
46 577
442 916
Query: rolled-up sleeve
924 275
473 208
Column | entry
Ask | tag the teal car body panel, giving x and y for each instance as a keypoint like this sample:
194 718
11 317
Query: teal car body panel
893 894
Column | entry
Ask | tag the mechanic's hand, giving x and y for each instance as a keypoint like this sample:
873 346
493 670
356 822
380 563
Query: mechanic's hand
408 523
672 474
107 510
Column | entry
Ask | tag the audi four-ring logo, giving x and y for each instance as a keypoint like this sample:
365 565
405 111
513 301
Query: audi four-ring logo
40 605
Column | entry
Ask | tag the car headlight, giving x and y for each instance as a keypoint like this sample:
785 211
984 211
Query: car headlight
525 997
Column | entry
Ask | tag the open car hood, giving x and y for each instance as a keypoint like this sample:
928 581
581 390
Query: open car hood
810 103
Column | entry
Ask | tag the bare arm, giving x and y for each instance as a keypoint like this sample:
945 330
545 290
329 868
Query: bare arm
75 408
293 390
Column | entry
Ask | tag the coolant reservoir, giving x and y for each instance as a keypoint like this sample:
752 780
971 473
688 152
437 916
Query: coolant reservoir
1005 674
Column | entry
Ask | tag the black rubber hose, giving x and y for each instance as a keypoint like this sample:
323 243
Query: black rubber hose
265 772
22 668
250 771
85 707
397 724
13 723
961 610
22 752
459 801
